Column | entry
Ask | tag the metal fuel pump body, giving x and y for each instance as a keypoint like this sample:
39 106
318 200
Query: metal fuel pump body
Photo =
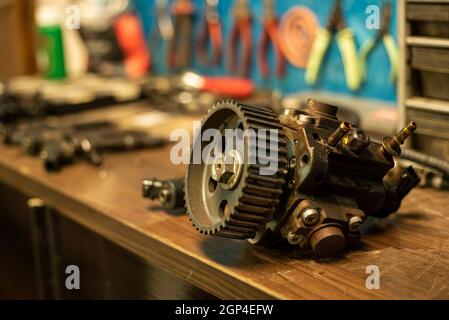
330 178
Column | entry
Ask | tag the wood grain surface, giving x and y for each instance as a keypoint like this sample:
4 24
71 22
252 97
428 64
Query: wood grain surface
410 248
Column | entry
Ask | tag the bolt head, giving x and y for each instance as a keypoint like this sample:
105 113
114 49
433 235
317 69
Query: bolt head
355 224
164 196
227 169
295 239
311 217
292 163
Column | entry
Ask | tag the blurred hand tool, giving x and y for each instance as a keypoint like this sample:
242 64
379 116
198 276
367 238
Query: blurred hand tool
128 31
383 35
34 137
270 35
221 86
180 47
346 44
170 193
57 153
241 39
164 24
297 32
211 37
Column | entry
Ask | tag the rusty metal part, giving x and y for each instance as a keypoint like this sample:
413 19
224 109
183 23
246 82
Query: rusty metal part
330 179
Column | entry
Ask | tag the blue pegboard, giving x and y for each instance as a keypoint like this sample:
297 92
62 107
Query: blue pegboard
332 77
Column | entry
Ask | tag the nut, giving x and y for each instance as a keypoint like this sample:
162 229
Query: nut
227 169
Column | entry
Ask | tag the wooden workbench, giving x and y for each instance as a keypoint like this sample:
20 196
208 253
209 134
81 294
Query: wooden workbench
410 248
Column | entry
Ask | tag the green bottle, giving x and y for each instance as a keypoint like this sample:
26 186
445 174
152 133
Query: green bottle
51 52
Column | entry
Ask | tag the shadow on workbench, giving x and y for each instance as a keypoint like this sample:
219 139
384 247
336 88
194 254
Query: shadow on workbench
107 270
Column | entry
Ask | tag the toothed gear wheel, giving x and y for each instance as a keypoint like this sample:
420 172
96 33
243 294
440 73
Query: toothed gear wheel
240 208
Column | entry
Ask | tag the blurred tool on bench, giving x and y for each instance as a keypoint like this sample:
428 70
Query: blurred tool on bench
241 39
346 44
211 36
28 97
180 47
270 35
383 35
170 193
33 136
57 153
190 92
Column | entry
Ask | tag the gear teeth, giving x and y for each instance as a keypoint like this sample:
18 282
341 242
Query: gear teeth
261 194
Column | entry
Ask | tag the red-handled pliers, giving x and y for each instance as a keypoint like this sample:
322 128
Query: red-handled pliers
212 35
270 24
241 32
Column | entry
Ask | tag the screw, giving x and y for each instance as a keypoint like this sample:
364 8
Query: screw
292 163
355 224
294 239
311 217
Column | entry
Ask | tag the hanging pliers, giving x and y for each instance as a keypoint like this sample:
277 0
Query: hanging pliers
270 28
211 35
346 44
241 38
180 48
382 36
164 25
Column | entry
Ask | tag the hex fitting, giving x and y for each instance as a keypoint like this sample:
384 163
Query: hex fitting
391 146
357 141
338 134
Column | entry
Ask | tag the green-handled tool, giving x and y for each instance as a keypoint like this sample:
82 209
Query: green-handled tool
346 45
390 45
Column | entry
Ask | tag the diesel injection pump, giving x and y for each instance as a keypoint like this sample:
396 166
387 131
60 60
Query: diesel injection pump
312 184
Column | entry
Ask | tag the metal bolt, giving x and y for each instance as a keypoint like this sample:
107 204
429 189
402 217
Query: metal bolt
295 239
338 134
292 163
355 224
164 196
311 217
391 146
306 119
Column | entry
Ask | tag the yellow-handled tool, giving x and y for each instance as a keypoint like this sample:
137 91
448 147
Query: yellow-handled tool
389 43
346 44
